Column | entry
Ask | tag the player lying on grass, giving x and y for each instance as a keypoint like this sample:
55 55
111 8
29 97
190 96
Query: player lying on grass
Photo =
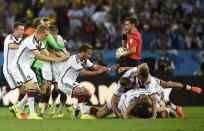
129 97
136 75
137 103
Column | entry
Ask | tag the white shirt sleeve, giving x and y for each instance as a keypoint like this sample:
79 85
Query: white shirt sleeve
29 44
130 73
42 46
119 90
73 63
8 40
151 87
89 63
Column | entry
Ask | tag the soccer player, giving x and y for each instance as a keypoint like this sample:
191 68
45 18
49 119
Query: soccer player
11 45
54 72
22 73
43 69
123 86
140 77
133 42
130 102
134 99
67 83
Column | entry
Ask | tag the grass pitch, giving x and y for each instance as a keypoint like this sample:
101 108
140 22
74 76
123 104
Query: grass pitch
193 121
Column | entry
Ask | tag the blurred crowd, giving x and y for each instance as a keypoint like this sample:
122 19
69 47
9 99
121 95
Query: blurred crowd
164 24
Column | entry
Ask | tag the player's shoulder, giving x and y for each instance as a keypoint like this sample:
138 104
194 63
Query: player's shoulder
73 59
29 38
155 79
130 73
9 37
59 37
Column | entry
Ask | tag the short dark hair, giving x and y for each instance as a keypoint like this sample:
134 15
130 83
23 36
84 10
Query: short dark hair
53 28
45 19
124 81
85 47
16 24
36 22
132 20
143 109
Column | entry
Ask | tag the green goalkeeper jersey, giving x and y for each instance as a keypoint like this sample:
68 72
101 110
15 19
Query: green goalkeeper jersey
50 41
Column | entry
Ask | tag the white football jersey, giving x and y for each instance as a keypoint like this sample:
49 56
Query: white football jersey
9 54
58 66
24 54
137 83
72 68
129 97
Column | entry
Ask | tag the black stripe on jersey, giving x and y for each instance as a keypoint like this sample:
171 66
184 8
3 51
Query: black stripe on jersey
20 55
7 60
115 95
141 84
36 43
131 74
52 72
42 48
14 82
21 72
124 104
70 86
135 81
77 60
64 74
11 37
72 95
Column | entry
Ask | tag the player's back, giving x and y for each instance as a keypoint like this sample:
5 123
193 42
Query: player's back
129 97
24 54
9 53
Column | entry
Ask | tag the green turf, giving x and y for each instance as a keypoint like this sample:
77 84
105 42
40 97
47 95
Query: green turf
193 121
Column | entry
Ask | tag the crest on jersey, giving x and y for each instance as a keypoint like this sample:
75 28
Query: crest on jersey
131 41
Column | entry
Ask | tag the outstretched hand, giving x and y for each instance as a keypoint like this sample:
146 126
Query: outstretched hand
114 67
102 70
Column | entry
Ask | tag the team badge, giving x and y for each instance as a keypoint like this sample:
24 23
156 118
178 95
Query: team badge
131 40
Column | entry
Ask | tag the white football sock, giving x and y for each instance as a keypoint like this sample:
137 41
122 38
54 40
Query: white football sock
23 102
173 107
76 106
31 104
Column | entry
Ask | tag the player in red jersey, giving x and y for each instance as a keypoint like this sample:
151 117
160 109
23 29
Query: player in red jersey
132 40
